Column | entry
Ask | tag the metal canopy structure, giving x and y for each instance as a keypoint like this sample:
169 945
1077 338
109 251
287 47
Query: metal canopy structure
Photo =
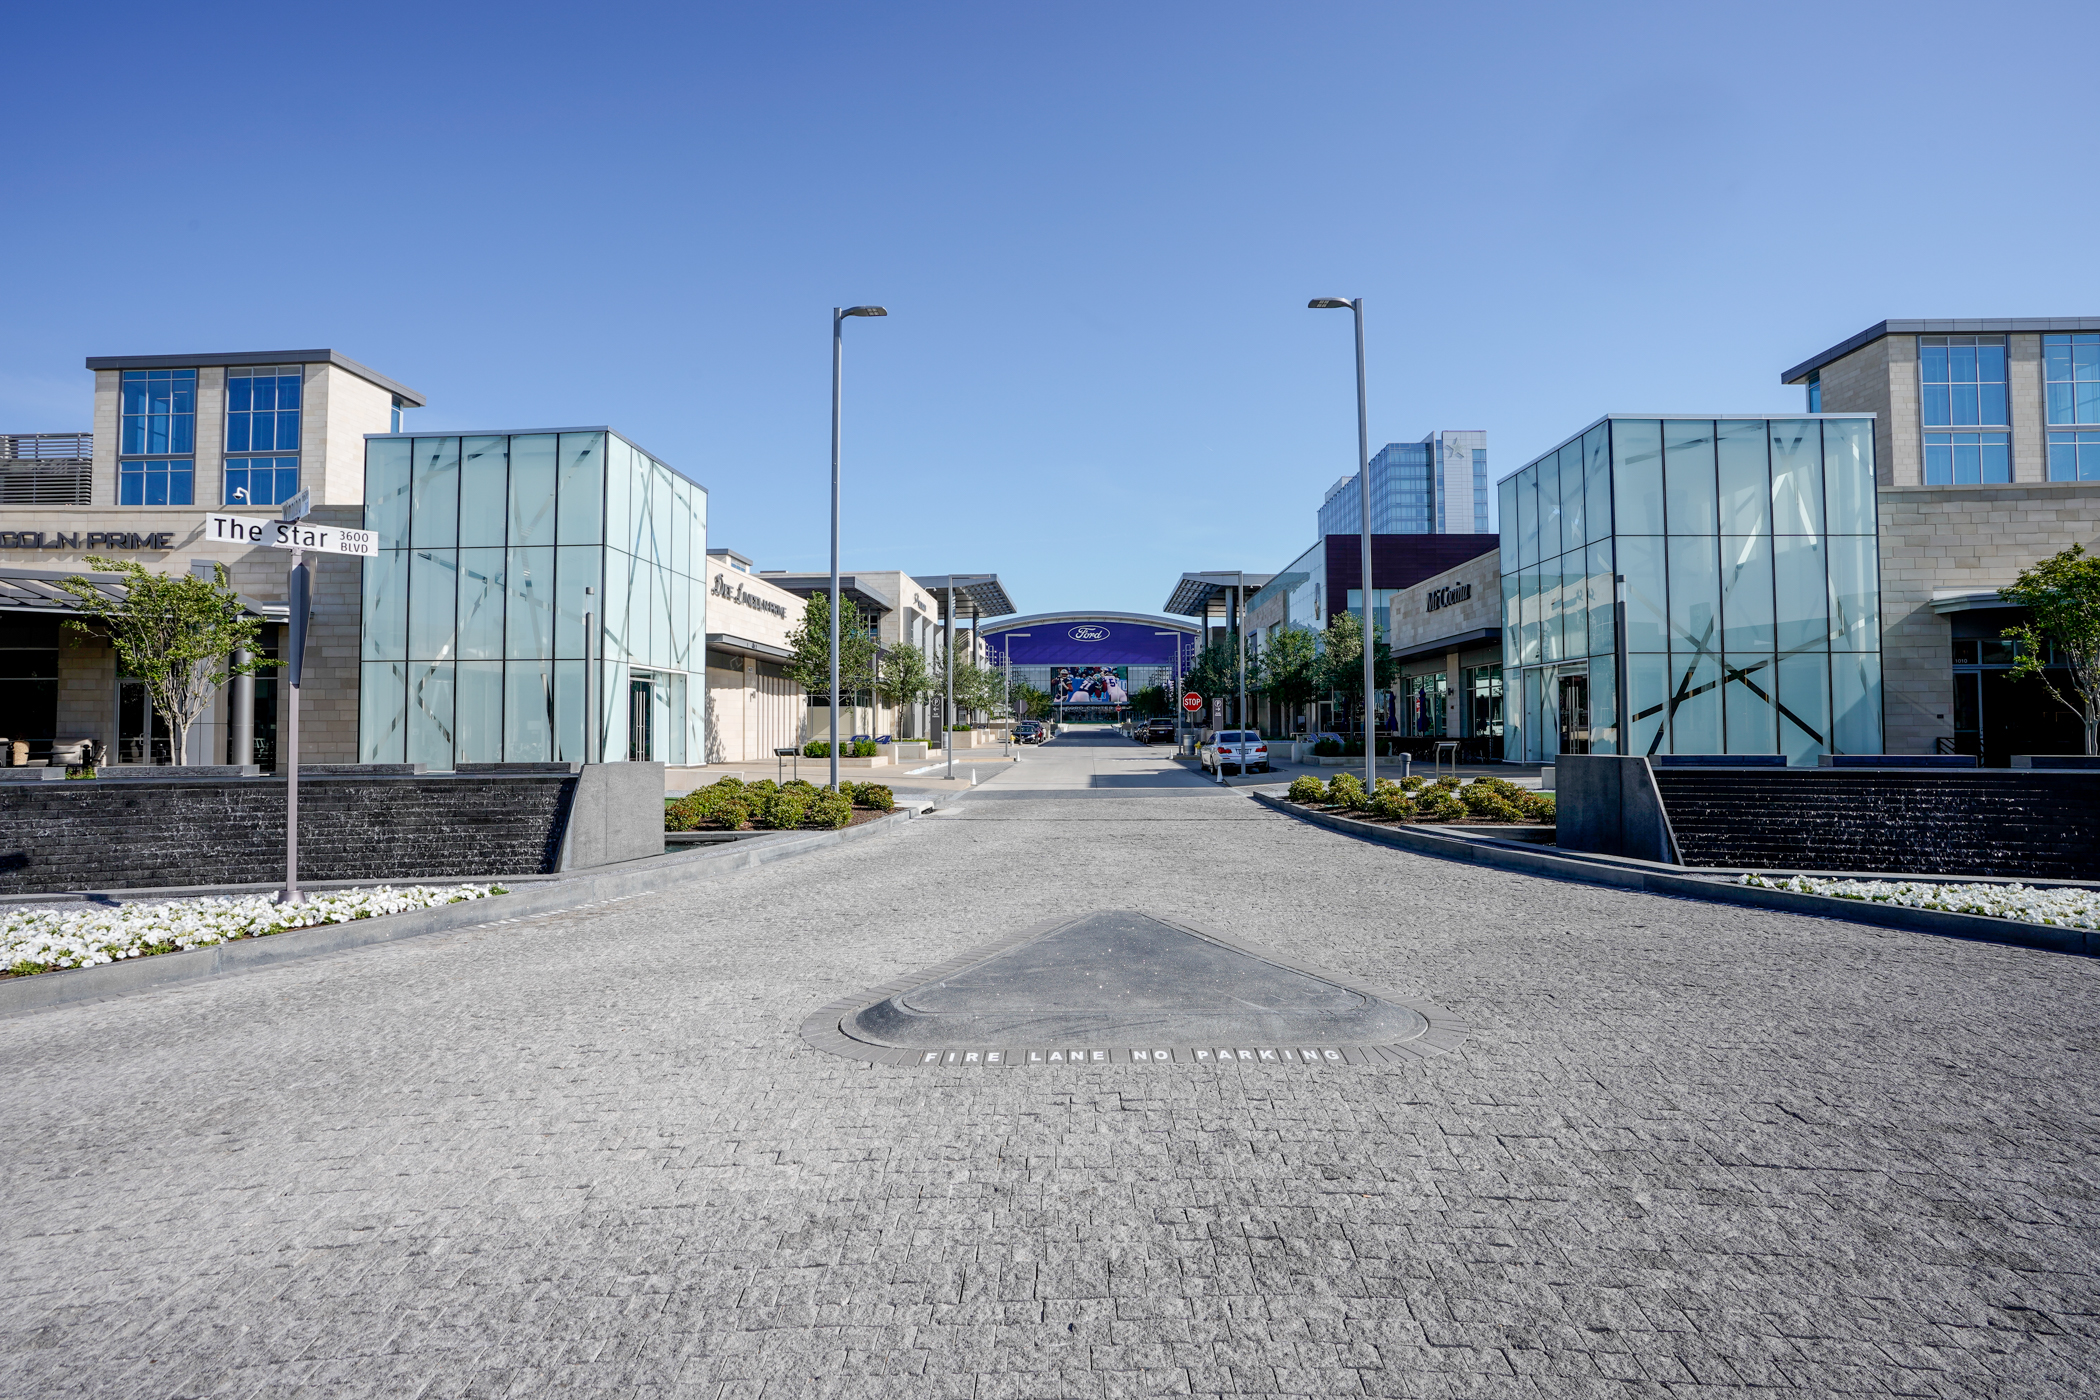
863 595
982 594
37 591
1194 595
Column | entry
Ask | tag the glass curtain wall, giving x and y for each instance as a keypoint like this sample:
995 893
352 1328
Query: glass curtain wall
495 551
1752 590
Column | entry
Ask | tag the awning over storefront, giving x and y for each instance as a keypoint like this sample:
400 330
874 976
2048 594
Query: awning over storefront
744 646
37 591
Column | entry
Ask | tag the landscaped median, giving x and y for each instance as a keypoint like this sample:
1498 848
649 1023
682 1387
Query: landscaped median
53 938
2057 908
1444 802
731 804
2059 919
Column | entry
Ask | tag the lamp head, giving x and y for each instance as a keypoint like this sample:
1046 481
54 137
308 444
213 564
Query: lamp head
1329 304
864 311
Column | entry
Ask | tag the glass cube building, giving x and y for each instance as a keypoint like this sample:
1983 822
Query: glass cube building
1752 590
501 556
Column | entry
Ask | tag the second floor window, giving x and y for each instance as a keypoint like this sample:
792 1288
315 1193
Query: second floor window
262 409
262 416
2071 372
1962 380
160 412
158 435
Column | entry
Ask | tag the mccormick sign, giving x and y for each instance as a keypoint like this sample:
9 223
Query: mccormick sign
1448 596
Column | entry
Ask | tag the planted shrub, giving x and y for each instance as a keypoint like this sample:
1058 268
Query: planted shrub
1413 784
1327 748
875 797
1391 804
680 815
829 810
1307 789
798 785
1347 791
762 786
865 749
1437 804
1538 807
785 810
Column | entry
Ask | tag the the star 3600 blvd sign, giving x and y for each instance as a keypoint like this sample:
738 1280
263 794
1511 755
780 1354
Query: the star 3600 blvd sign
290 534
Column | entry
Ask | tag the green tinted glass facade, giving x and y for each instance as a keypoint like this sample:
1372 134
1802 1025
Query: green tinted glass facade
1752 590
501 556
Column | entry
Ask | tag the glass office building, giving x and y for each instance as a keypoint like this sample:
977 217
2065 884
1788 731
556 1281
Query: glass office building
1752 618
1433 487
523 580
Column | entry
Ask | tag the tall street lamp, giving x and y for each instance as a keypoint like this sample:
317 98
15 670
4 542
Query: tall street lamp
1363 481
838 365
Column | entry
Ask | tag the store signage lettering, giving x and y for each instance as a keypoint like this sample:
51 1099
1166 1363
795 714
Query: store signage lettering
1088 632
1447 597
749 600
91 539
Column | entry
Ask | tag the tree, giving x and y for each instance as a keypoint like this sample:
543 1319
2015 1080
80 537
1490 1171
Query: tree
1152 700
1292 664
1030 703
810 643
906 679
978 689
1216 674
2063 594
175 633
1342 659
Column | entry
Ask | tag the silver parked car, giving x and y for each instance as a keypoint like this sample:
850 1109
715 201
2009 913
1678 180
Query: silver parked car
1239 750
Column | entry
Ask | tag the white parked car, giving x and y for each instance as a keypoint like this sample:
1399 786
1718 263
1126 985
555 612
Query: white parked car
1239 750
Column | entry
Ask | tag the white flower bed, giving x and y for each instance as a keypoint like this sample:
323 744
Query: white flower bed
87 935
2059 908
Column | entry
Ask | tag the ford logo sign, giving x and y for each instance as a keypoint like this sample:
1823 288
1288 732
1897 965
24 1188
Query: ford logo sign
1088 633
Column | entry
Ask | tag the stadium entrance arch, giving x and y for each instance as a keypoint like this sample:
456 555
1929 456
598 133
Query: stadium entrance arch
1100 666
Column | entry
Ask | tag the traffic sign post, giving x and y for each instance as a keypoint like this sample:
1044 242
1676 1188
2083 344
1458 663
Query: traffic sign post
1192 702
293 533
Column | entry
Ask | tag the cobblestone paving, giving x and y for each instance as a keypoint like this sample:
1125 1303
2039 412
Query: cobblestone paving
1686 1149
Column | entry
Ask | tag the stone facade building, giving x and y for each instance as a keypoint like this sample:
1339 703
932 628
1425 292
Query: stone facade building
176 437
1987 442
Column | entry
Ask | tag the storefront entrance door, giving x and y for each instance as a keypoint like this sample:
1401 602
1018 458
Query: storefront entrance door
1574 714
641 718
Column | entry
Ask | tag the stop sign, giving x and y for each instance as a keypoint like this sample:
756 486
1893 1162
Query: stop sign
1192 702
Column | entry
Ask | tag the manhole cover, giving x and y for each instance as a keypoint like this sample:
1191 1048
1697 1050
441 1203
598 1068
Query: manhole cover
1121 987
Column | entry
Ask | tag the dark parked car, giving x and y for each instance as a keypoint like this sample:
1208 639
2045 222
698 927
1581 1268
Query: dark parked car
1154 730
1029 731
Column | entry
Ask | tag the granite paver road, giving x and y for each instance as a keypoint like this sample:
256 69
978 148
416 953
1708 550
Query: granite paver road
1686 1149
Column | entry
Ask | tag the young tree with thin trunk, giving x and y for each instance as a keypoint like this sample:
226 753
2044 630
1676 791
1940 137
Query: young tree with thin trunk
2063 594
906 679
174 633
809 645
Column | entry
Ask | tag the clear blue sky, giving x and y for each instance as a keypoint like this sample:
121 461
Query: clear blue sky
1095 225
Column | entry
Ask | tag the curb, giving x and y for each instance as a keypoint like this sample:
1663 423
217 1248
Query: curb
21 995
1976 928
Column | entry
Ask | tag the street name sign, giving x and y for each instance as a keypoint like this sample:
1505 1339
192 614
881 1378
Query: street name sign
291 534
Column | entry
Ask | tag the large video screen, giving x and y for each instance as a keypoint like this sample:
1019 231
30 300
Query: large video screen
1091 685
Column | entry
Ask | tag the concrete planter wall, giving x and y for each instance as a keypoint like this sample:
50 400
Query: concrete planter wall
136 832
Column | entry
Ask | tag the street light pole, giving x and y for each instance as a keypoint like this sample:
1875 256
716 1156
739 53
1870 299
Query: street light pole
838 365
1363 481
948 674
